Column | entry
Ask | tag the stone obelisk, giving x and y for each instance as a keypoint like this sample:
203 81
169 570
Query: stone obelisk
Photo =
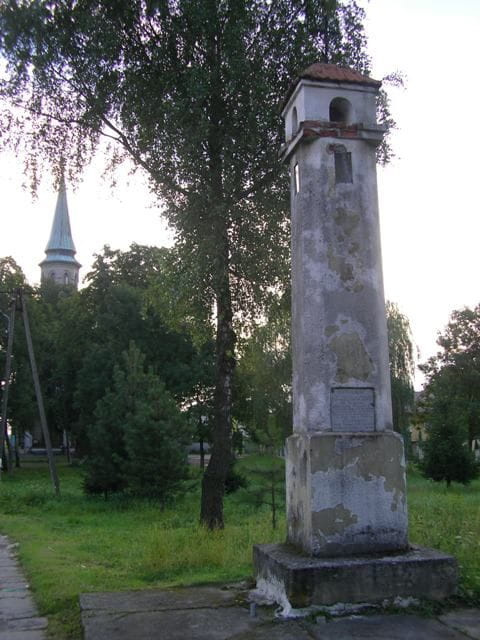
346 492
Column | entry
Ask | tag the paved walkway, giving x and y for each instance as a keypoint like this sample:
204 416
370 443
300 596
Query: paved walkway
19 618
222 613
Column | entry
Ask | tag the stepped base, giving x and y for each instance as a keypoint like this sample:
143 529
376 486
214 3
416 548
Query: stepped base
290 578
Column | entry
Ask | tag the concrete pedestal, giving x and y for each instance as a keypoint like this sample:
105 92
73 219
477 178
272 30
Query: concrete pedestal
290 578
346 493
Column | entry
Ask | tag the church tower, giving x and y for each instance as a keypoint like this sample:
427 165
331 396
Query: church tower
59 265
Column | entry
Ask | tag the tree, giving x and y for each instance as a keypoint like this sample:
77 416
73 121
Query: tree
139 437
116 307
446 454
190 92
263 402
459 363
22 406
451 402
265 476
402 366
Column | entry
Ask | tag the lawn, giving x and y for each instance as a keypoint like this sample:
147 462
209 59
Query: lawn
81 544
77 544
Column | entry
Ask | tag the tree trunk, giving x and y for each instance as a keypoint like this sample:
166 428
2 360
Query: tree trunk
17 450
213 483
274 506
67 448
8 452
202 454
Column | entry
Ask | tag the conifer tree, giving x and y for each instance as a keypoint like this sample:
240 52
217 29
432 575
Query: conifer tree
139 437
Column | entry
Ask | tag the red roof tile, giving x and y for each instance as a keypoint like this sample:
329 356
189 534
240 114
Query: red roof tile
333 73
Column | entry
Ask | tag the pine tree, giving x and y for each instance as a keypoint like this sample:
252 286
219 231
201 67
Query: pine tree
265 472
139 438
105 467
265 475
156 439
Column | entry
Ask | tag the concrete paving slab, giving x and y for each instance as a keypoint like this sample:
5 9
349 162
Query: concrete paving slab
15 587
384 627
18 608
5 562
194 624
23 624
23 635
159 599
11 571
14 592
285 630
465 620
10 581
19 619
215 613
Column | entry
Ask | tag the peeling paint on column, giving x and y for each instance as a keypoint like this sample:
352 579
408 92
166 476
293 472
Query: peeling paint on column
331 329
353 361
350 487
344 491
335 520
352 495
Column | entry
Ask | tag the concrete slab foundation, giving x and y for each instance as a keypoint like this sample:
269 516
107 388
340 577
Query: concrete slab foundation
290 578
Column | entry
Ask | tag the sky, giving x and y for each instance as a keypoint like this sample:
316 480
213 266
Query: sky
429 207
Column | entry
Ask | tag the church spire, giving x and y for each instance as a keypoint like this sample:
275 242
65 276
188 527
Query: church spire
59 264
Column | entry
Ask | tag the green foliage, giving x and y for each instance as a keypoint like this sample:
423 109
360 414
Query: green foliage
265 475
79 337
456 369
446 456
263 402
446 451
106 463
235 480
402 366
191 93
11 278
139 437
22 406
451 402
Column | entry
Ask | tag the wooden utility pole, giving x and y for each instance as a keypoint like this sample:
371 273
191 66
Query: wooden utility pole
38 393
6 380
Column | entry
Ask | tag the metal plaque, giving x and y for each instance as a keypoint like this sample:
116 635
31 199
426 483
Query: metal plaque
353 409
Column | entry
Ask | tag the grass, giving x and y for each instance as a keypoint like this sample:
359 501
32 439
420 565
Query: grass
448 519
79 544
